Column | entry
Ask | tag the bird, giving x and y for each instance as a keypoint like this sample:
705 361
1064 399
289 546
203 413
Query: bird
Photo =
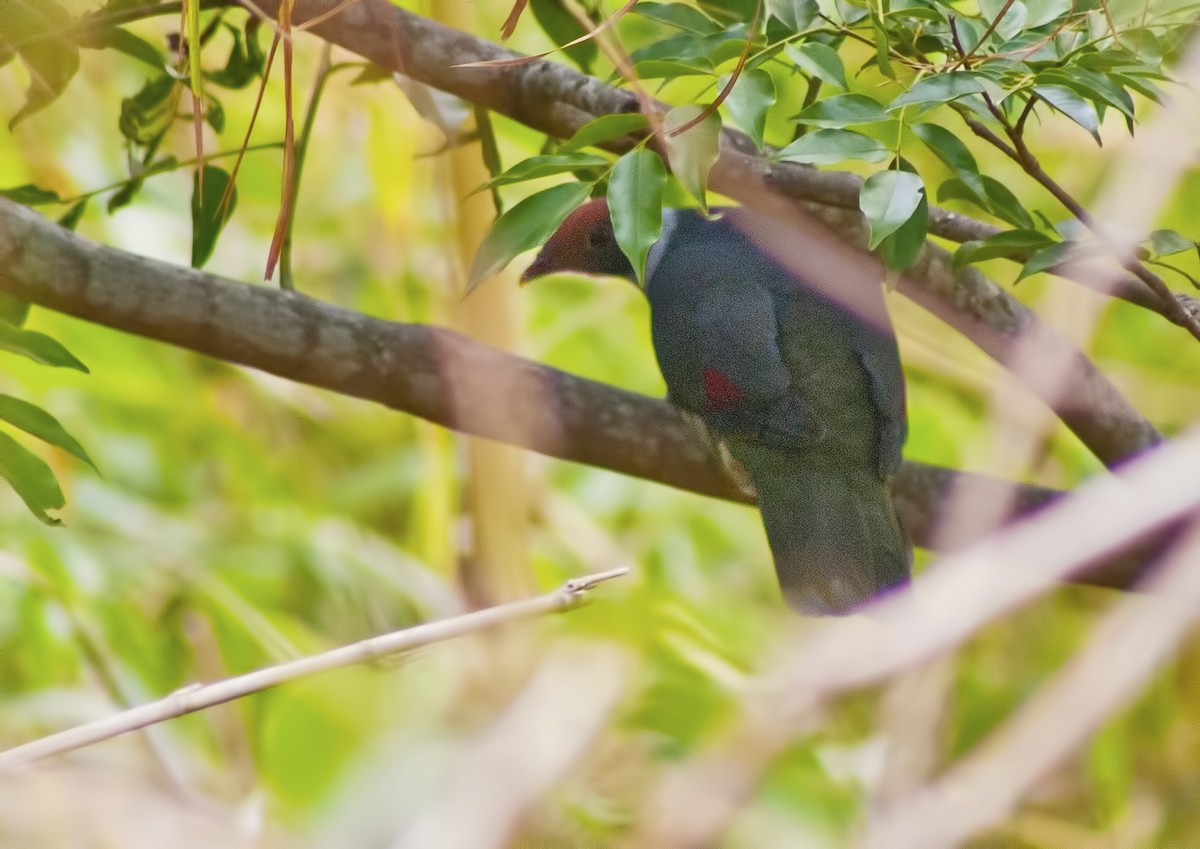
806 394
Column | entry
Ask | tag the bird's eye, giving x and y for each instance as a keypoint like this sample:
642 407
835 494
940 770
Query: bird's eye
598 236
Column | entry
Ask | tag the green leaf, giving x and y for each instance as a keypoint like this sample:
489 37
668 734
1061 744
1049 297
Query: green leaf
635 192
1006 17
732 11
729 44
70 219
684 49
752 95
947 147
845 12
1090 85
694 151
208 218
1000 201
821 61
31 478
969 32
1005 204
13 311
903 247
956 189
1072 105
828 147
1167 242
1143 87
139 173
214 113
667 69
796 15
545 166
240 68
1047 11
882 44
254 50
38 347
1011 243
679 16
888 200
603 129
124 195
943 88
1045 259
562 28
37 422
30 195
372 73
842 110
527 225
148 114
35 31
123 41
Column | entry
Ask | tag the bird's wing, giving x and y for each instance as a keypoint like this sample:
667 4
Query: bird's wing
705 317
880 358
716 333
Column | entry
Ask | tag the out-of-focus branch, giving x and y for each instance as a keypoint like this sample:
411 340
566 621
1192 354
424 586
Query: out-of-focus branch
949 604
201 696
1122 652
430 372
526 753
558 100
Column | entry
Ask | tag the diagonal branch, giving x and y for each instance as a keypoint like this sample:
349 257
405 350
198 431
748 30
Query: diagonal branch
556 100
430 372
829 188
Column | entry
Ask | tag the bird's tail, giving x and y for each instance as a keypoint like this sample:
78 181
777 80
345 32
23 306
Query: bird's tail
833 531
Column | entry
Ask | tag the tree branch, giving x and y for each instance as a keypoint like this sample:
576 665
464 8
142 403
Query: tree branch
802 182
430 372
556 100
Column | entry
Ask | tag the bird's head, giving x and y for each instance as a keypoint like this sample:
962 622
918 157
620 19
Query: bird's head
584 242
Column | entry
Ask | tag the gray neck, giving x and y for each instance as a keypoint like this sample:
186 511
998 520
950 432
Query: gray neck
670 223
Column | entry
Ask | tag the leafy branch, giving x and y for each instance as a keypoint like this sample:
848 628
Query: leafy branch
1017 149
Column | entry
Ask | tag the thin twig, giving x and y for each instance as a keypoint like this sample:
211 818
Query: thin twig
987 32
1171 305
733 78
200 696
984 132
286 280
1019 152
1019 127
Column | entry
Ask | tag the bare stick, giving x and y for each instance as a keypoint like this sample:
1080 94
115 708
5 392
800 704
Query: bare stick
946 606
200 696
526 753
1126 647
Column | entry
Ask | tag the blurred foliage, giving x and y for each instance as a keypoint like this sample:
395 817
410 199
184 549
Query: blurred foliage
237 520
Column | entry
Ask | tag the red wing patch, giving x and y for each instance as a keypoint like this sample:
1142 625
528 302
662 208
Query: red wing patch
720 392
